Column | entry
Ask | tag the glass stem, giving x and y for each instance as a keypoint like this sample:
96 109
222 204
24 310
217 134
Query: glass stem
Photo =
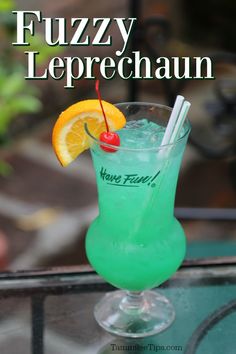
133 302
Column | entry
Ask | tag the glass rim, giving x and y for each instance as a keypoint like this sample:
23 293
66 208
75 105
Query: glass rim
158 148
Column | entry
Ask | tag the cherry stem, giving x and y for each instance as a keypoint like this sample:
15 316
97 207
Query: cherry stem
100 101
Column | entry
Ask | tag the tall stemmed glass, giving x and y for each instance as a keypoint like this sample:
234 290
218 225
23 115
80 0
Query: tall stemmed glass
136 243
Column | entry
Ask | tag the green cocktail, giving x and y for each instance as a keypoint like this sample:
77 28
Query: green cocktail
136 243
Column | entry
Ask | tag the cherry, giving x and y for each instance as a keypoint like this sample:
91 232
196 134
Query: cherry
107 136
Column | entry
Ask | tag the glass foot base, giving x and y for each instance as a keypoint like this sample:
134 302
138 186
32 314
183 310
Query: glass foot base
131 314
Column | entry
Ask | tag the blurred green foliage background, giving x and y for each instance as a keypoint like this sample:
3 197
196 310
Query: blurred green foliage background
17 96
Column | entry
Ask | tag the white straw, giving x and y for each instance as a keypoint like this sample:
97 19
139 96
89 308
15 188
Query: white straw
180 121
173 119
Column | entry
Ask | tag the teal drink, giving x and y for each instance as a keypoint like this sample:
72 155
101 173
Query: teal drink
136 243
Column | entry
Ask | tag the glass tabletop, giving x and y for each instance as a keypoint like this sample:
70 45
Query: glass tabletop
51 312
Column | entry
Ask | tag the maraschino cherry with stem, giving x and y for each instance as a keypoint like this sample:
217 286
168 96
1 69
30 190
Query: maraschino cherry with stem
107 137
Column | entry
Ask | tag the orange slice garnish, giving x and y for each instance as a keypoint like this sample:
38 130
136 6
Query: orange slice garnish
69 138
